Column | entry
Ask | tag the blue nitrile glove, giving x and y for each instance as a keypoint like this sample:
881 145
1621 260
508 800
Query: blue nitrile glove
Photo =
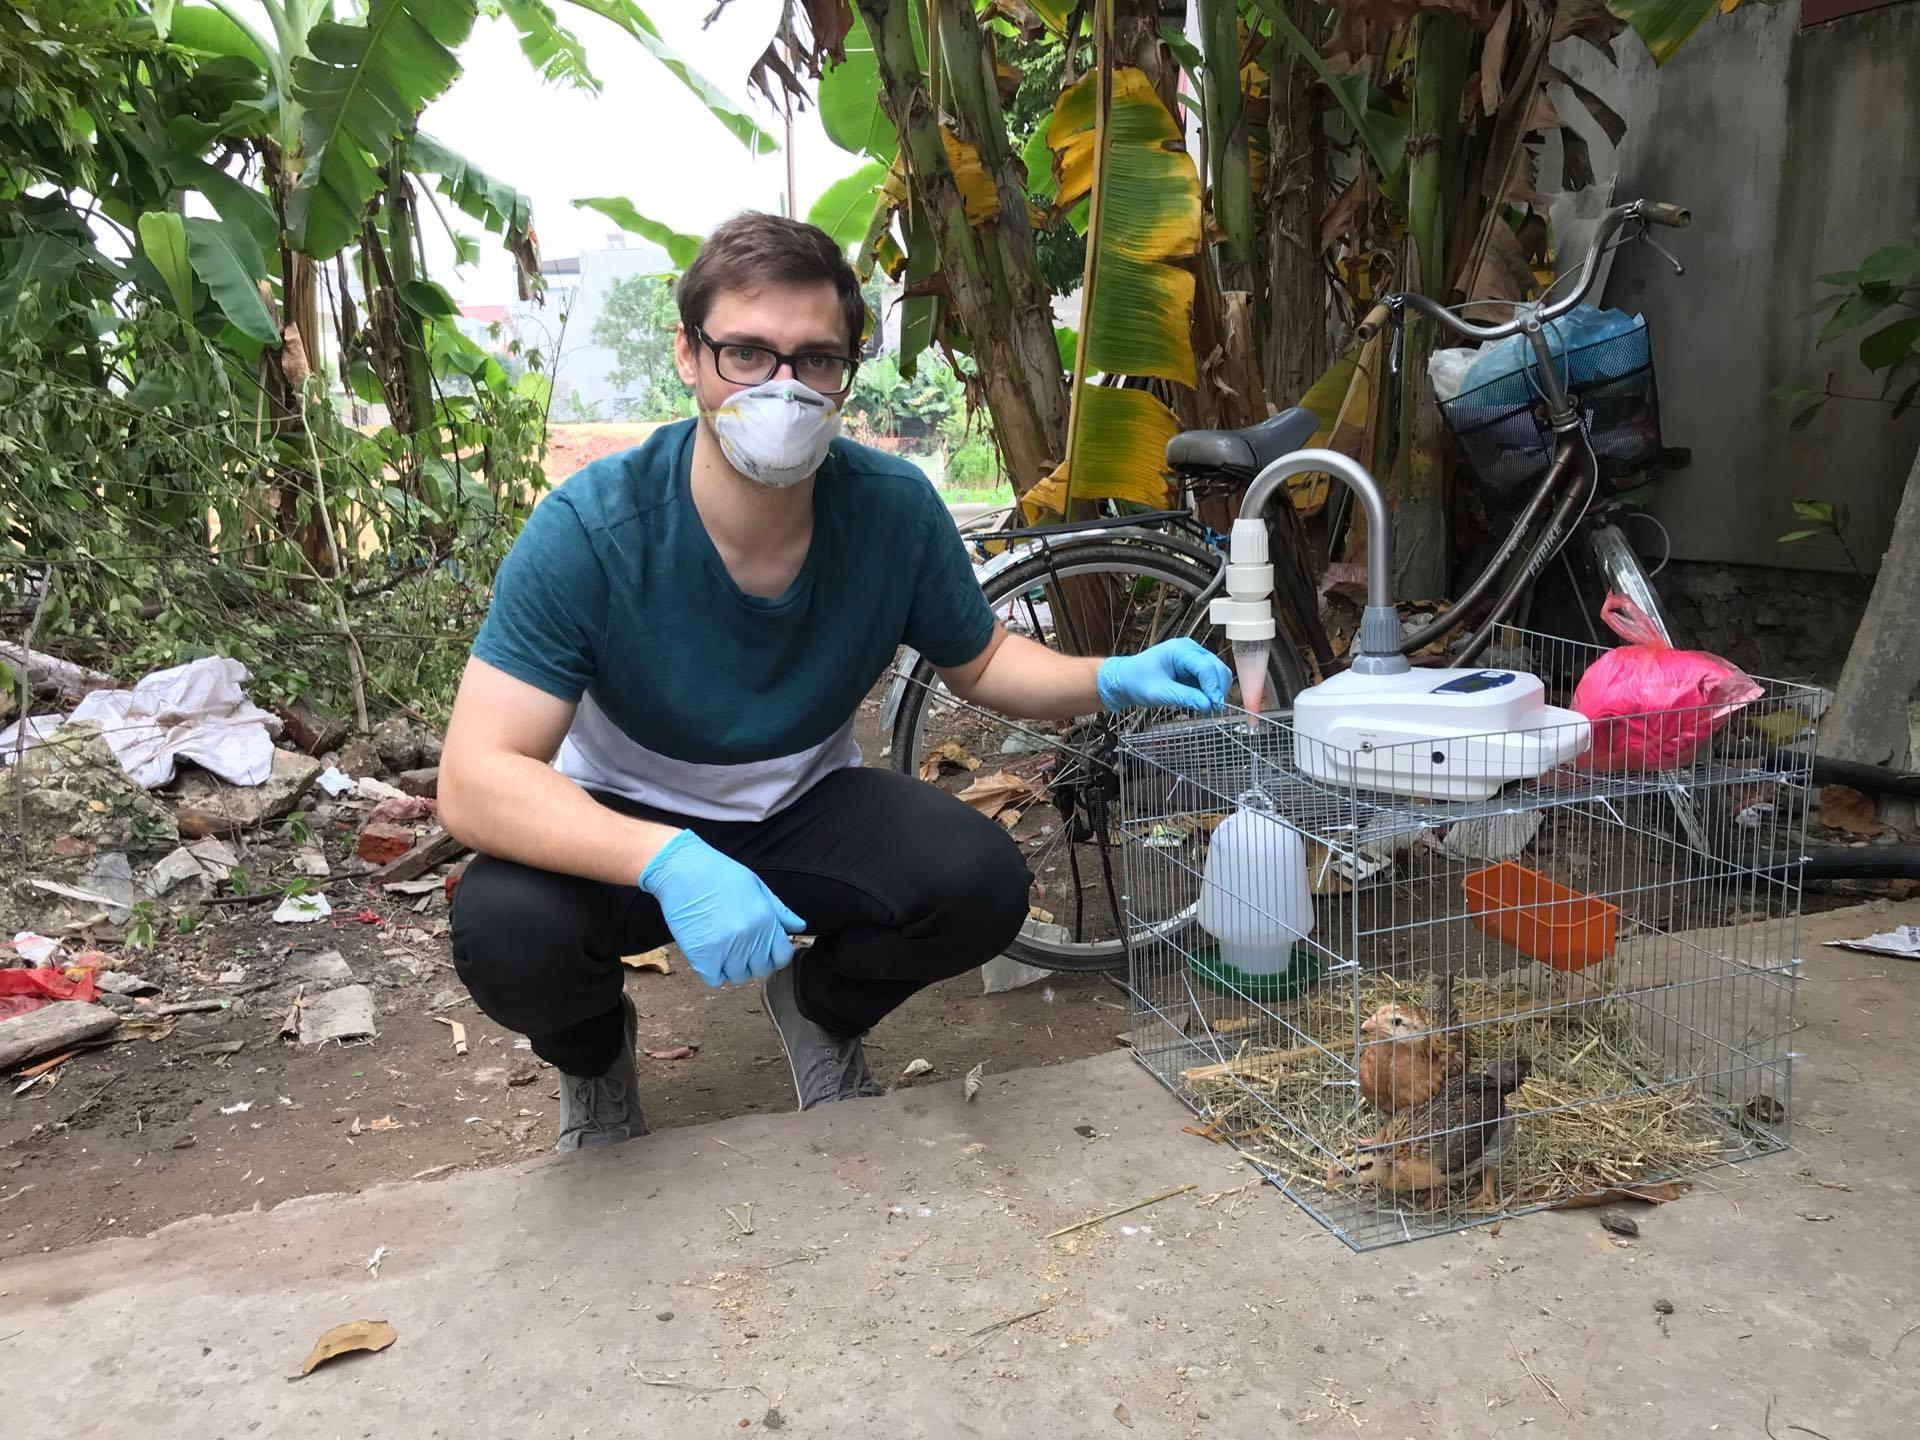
726 921
1173 675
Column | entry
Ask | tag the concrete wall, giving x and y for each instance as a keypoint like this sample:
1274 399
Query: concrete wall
1798 152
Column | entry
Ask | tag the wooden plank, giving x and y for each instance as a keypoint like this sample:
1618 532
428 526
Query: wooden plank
59 1026
438 848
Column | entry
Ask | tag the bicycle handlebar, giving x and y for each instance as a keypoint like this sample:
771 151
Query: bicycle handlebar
1646 212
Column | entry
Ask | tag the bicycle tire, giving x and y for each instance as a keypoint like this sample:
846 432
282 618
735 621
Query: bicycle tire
1286 677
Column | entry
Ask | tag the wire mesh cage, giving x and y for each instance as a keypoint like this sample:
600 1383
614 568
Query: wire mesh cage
1503 434
1415 1015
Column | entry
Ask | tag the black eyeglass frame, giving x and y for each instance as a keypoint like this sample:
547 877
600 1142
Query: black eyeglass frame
852 362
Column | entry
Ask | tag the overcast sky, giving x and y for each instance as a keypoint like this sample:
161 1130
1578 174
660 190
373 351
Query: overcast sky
645 136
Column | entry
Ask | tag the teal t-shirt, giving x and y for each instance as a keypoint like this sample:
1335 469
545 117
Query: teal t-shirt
696 697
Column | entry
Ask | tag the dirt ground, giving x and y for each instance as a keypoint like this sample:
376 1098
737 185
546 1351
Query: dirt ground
132 1136
571 446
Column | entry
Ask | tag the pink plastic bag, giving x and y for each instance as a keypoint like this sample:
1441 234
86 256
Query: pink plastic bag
1652 706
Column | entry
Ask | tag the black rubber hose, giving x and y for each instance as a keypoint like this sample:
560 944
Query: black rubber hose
1844 862
1873 779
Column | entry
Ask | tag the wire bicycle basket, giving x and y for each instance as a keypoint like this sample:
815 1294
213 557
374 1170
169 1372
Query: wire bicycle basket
1502 431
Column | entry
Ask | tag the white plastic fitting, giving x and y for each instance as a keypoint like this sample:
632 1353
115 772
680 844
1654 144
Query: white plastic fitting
1245 612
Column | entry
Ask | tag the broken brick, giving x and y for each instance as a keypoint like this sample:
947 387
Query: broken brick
381 843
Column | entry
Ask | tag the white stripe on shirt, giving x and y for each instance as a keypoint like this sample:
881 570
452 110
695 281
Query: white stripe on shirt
599 755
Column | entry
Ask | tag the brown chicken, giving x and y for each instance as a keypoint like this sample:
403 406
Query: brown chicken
1406 1055
1432 1148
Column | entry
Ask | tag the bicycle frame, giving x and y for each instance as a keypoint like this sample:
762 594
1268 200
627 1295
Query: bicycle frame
1566 493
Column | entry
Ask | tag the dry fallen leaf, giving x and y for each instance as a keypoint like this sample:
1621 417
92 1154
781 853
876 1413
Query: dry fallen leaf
385 1122
1620 1224
947 752
1661 1194
918 1066
654 960
1845 809
671 1052
972 1083
355 1335
1123 1415
993 793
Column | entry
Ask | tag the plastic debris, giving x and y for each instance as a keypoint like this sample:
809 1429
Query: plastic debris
335 781
343 1014
196 712
1900 943
35 949
302 909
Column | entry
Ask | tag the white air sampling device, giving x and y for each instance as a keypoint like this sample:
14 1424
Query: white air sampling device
1452 734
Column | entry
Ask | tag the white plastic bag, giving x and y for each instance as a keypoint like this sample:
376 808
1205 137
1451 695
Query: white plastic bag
196 712
1447 370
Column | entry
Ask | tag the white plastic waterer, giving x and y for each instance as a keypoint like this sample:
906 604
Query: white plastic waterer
1254 896
1380 724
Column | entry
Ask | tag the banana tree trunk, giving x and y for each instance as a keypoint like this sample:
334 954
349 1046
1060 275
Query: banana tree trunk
416 415
283 370
991 276
1297 350
1442 46
1229 166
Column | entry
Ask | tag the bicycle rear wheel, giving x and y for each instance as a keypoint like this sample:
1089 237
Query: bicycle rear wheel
1061 796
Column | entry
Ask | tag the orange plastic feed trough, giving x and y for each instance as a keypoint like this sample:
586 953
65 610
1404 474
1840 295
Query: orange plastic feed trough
1556 926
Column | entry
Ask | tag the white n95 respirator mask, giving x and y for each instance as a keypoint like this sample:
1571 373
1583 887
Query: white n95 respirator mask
777 432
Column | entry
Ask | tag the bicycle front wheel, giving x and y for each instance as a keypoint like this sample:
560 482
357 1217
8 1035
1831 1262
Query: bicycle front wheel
1060 795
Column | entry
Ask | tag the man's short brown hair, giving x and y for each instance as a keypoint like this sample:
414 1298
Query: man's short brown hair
755 249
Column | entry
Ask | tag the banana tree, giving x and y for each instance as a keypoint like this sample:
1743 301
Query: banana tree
1345 151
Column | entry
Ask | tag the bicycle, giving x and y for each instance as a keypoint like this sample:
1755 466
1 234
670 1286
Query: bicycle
1132 580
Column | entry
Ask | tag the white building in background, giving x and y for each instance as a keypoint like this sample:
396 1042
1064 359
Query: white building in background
561 325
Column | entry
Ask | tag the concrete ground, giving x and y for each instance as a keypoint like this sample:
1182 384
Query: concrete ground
880 1269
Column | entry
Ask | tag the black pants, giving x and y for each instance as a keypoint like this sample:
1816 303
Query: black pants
901 884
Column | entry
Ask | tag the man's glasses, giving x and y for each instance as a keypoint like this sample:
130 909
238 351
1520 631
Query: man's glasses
756 364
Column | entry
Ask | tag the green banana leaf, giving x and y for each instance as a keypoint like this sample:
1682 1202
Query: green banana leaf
680 248
1663 25
632 19
494 203
551 48
163 240
1119 448
1144 240
208 32
232 266
849 100
361 87
1144 236
234 200
845 208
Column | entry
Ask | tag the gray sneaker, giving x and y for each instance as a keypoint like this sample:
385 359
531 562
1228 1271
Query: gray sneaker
824 1069
601 1110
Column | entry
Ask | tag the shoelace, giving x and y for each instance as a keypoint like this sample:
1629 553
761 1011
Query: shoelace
586 1092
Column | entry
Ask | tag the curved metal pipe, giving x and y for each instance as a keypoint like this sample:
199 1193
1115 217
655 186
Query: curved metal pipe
1354 476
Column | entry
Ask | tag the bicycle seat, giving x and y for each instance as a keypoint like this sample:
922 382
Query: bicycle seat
1246 452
